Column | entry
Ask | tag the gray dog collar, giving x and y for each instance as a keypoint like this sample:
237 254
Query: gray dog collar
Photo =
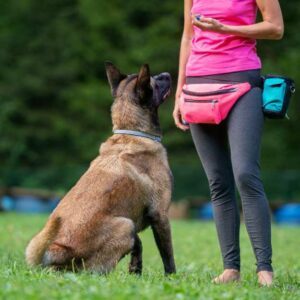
153 137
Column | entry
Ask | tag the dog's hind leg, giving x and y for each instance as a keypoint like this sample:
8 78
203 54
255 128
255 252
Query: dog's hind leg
162 233
117 240
39 244
136 261
59 257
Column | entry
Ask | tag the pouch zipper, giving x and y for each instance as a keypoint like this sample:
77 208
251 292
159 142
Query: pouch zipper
218 92
213 101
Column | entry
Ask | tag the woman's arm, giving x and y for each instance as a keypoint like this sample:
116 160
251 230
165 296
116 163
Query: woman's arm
272 26
185 47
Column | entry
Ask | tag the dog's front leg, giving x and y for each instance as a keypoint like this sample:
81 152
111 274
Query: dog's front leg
162 233
136 261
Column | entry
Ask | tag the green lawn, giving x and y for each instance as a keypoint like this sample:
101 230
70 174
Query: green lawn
197 257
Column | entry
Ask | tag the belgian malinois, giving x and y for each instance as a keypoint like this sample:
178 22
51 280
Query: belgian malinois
126 188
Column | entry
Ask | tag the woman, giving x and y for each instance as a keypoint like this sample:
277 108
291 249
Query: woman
219 45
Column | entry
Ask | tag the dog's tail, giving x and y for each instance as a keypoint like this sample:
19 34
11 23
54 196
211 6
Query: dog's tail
39 244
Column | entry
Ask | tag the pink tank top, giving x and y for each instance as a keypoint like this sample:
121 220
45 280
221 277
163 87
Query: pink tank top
216 53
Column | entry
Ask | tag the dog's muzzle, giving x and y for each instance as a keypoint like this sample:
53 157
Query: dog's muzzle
163 85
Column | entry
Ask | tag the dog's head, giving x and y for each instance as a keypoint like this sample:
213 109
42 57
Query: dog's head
137 98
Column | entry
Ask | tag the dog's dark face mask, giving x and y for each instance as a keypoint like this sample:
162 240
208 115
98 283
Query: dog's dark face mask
141 94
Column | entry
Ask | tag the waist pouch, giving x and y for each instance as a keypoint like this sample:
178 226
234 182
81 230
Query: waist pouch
277 91
210 102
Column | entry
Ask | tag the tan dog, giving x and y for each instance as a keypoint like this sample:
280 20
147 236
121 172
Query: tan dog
126 189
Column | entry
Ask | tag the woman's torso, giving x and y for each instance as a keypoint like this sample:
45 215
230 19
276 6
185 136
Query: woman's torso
216 53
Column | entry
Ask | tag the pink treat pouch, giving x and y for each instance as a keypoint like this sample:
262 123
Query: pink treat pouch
210 102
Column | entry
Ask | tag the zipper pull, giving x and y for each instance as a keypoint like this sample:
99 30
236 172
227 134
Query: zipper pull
214 104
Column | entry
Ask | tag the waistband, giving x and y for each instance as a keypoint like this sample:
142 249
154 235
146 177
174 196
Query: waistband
251 76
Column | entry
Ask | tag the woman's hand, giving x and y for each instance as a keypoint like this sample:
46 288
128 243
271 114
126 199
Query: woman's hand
207 23
177 116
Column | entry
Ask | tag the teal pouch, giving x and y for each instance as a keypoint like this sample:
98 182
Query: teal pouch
277 91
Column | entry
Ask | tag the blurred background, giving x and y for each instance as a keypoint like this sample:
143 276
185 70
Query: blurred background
55 100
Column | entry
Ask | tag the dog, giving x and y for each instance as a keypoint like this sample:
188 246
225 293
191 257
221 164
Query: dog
126 188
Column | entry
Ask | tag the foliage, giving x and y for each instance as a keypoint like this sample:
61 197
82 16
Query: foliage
55 101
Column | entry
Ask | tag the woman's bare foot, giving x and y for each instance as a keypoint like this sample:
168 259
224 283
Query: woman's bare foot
229 275
265 278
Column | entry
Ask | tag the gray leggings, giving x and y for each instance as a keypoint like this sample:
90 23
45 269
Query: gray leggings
230 154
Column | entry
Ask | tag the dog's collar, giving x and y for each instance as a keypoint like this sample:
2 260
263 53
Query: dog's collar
153 137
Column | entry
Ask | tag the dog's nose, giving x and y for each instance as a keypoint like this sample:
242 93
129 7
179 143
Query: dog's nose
165 76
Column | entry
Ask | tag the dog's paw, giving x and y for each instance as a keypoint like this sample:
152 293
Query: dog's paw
135 269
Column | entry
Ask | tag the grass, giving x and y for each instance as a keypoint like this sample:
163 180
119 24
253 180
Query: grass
197 257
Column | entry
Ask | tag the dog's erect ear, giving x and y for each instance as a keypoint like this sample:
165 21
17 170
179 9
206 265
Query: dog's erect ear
114 76
143 80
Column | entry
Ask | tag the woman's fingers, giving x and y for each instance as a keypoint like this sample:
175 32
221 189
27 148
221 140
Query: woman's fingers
207 23
180 125
178 119
208 20
200 18
201 25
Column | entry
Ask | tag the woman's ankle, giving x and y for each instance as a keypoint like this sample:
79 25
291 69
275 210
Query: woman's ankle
232 270
264 267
